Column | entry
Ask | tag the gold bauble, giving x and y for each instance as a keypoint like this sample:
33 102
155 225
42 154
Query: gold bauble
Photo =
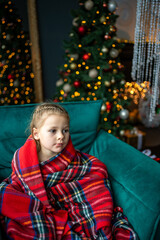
73 66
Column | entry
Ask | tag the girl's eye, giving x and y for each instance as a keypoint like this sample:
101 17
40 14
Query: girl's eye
65 130
52 130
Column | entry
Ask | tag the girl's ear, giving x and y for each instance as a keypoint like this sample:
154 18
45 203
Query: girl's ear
35 134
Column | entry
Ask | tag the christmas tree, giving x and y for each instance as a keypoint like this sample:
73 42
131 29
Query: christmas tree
16 76
92 68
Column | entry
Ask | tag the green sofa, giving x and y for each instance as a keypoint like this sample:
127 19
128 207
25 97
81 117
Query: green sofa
135 178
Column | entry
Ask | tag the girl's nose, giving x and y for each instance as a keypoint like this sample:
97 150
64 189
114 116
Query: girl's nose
60 135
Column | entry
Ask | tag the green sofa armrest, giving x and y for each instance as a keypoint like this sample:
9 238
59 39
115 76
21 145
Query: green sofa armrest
135 180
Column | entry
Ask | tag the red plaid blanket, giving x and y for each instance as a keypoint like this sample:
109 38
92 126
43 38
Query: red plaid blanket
66 197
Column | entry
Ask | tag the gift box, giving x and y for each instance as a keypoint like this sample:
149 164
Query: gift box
135 138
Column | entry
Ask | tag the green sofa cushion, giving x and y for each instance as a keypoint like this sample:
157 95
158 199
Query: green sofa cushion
135 180
14 121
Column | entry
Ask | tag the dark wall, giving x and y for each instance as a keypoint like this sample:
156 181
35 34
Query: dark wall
55 22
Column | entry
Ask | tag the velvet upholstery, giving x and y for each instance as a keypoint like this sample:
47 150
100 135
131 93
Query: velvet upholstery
135 182
135 178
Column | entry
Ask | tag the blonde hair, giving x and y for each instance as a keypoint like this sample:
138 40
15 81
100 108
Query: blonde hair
42 111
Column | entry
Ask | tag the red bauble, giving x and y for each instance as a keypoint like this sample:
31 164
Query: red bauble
82 30
65 74
85 56
77 84
10 76
108 106
56 100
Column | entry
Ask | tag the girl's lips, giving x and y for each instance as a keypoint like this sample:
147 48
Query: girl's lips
59 144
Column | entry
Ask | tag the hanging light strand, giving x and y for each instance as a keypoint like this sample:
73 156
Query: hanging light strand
146 54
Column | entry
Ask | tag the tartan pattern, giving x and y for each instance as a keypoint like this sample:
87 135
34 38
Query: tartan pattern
67 197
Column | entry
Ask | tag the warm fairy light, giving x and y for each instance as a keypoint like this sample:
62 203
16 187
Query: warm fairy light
109 131
83 22
65 65
95 99
77 72
32 75
105 119
61 92
87 67
99 78
113 45
79 45
98 67
82 98
136 91
100 53
114 71
83 63
97 12
88 85
79 65
88 99
125 98
77 94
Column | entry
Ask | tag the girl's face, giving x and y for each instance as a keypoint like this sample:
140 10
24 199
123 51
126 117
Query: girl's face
53 136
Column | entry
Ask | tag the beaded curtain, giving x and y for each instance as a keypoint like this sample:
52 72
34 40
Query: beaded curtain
146 54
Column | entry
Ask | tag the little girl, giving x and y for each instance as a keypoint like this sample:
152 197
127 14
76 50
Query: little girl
56 192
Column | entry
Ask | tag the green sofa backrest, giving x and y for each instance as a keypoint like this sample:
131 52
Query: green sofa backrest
15 120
